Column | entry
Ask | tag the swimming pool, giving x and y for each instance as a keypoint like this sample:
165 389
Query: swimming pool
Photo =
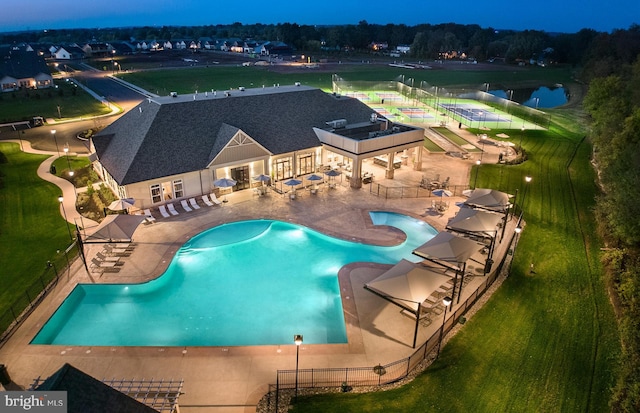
253 282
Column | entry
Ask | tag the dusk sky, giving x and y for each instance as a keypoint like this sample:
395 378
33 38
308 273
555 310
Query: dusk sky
568 16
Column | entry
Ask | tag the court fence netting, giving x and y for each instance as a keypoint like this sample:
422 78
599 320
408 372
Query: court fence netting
432 96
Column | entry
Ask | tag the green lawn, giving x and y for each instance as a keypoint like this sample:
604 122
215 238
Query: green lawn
225 77
73 102
31 228
545 342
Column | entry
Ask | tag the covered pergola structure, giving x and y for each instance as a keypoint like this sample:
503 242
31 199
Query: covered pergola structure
408 285
377 138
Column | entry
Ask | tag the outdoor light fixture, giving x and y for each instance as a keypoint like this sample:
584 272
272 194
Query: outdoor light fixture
66 154
297 339
475 181
66 222
447 302
527 180
53 132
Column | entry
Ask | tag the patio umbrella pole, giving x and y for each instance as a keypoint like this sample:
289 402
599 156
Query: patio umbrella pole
415 333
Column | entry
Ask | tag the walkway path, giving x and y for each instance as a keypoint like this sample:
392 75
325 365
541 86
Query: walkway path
69 193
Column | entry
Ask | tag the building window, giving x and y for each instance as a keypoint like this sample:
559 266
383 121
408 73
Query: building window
283 169
178 190
305 164
156 193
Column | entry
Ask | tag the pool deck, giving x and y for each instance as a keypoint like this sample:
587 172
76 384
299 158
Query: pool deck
234 379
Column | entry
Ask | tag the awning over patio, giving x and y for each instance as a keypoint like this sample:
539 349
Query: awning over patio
449 248
407 284
475 221
488 199
115 228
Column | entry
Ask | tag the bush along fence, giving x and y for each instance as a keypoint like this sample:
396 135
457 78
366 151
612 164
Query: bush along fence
17 312
346 378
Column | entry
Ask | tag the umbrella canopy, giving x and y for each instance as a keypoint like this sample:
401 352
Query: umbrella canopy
488 198
474 220
224 182
333 173
314 177
441 192
406 284
121 204
448 247
502 135
262 178
293 182
116 228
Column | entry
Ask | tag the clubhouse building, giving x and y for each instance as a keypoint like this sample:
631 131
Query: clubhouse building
174 147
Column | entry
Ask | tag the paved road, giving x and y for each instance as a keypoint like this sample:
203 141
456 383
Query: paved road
42 138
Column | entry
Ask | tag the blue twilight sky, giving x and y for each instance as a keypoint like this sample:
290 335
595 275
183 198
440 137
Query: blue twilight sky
548 15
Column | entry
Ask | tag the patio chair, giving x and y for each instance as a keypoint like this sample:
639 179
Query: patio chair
206 200
172 209
102 264
105 258
193 203
185 206
147 213
119 252
215 199
163 212
102 267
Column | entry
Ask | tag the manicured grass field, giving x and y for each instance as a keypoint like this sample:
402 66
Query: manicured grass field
15 106
545 342
31 227
202 79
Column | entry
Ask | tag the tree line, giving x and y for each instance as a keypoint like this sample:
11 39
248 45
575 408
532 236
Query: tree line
613 103
427 41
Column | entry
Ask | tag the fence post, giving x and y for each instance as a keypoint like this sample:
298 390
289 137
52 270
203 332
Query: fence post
277 390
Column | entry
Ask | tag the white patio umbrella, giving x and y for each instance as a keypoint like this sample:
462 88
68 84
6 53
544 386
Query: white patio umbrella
120 204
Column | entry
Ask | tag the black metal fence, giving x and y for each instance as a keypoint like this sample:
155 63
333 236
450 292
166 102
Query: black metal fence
416 191
374 375
55 268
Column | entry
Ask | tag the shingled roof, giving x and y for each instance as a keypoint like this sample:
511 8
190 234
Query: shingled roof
86 394
168 136
21 64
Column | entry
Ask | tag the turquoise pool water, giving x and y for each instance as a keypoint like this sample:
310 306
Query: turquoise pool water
252 282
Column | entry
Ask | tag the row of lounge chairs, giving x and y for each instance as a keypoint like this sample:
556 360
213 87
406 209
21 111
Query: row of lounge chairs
110 258
169 210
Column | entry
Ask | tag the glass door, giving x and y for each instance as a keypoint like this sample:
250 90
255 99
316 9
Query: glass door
242 178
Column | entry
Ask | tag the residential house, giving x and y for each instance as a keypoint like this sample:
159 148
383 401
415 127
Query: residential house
68 53
20 69
175 147
273 48
97 49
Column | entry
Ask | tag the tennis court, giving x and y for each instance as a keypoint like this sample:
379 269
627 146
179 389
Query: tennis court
382 111
415 113
359 96
390 96
474 113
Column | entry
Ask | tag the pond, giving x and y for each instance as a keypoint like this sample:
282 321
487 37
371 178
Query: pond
541 97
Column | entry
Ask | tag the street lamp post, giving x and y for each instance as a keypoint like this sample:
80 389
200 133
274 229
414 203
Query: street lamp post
475 181
64 212
447 302
297 339
53 132
527 180
483 137
66 154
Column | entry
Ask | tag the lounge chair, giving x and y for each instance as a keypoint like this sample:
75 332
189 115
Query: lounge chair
103 266
215 199
164 212
193 203
185 206
105 258
147 213
206 200
172 209
119 252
